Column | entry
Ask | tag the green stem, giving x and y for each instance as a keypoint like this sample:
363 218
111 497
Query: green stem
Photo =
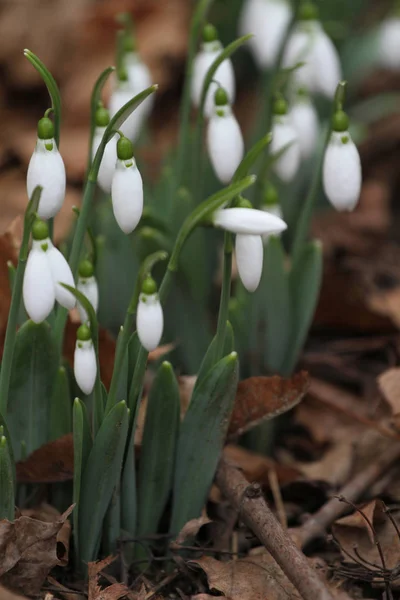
224 301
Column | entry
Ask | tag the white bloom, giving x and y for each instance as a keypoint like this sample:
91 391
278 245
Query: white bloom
304 119
224 75
249 259
120 96
224 143
139 79
248 220
109 160
268 21
389 43
283 134
85 365
276 211
38 287
310 44
88 287
342 176
61 273
127 195
149 321
46 168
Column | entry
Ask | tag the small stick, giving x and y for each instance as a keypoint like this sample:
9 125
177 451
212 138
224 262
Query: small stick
256 514
318 523
276 493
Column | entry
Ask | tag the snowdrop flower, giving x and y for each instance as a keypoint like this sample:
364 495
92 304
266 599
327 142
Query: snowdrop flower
268 21
46 168
305 121
249 252
122 93
342 176
87 284
126 188
389 43
284 134
46 270
149 316
225 75
139 78
310 44
85 363
109 160
224 139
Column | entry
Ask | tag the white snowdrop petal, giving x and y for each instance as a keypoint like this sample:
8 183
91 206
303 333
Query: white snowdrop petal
342 175
149 321
283 133
304 119
267 20
109 160
120 96
88 287
272 209
328 71
127 195
389 43
249 260
299 49
85 365
248 220
38 287
224 75
139 79
61 273
46 168
225 146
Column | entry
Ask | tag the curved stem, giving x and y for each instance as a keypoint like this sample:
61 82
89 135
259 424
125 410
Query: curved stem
224 301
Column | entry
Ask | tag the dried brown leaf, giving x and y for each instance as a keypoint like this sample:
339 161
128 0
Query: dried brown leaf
191 529
112 592
29 549
389 385
50 463
9 595
262 398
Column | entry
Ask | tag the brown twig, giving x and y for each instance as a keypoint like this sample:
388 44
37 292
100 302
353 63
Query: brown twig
256 514
318 523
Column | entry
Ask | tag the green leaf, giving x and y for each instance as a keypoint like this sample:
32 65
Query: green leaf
52 88
4 431
128 490
208 360
61 406
33 372
201 439
157 456
277 305
101 475
305 285
7 500
112 523
82 447
251 157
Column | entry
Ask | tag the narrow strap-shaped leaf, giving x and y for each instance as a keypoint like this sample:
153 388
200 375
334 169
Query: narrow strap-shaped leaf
157 456
101 475
208 360
305 284
251 157
112 523
61 406
128 489
82 447
201 439
4 431
7 501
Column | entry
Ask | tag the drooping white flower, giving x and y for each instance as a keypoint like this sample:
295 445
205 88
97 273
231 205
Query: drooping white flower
249 259
46 269
224 139
87 285
271 205
284 135
109 160
342 175
149 316
127 188
248 220
224 75
304 119
268 21
46 168
310 44
139 78
389 43
122 93
85 364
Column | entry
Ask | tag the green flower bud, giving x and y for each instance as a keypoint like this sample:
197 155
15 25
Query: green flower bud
45 130
86 269
40 230
340 121
243 203
210 34
83 334
221 97
271 195
129 44
122 74
280 107
149 286
124 148
308 12
102 118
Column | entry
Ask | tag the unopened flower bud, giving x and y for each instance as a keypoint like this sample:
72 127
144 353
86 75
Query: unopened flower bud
149 318
85 364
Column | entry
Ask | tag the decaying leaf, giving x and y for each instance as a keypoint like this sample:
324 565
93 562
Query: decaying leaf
256 467
50 463
389 385
190 530
262 398
30 548
112 592
8 595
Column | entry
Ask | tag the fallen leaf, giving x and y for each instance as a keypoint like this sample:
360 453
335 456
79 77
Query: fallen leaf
335 466
190 530
29 549
8 595
261 398
48 514
353 532
50 463
389 385
112 592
